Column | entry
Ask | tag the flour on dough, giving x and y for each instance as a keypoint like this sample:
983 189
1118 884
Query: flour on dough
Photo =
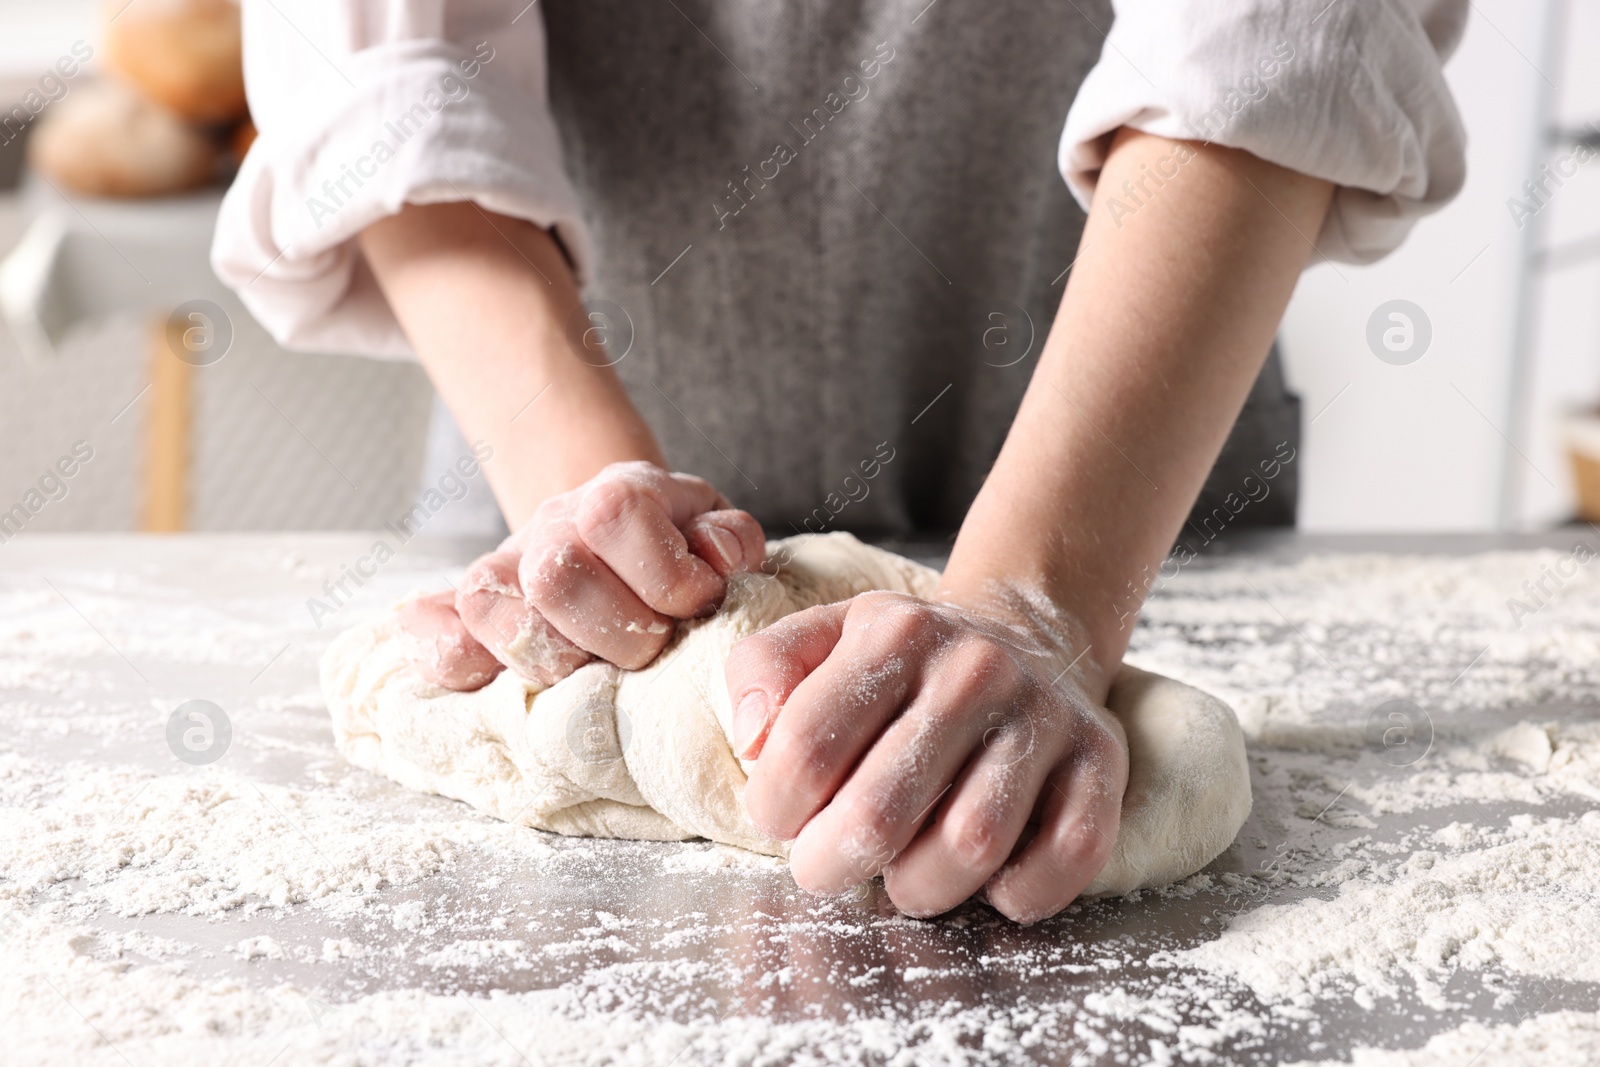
646 754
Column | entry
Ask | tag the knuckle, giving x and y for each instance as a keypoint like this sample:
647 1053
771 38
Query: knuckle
894 622
807 779
473 609
543 581
747 655
868 833
811 778
746 525
985 662
975 839
648 480
1099 752
552 516
605 507
549 573
694 590
495 573
756 659
641 650
1080 846
547 511
1010 739
979 671
420 610
694 483
627 470
871 602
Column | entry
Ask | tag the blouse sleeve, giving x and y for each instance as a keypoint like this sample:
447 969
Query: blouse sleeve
362 106
1351 91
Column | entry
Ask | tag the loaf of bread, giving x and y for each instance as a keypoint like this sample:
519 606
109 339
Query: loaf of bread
106 140
184 54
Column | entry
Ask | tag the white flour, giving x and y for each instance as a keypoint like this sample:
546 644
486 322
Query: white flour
281 907
1522 900
1292 646
139 843
1559 1039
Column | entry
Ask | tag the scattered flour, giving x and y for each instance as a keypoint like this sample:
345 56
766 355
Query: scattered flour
279 907
204 845
1557 1039
709 856
1526 764
86 1011
1295 646
260 948
1522 900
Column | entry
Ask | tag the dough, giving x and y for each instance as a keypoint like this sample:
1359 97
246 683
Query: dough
645 754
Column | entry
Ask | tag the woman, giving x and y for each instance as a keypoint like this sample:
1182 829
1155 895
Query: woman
835 272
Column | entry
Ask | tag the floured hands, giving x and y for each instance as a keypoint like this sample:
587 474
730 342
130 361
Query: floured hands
604 570
948 750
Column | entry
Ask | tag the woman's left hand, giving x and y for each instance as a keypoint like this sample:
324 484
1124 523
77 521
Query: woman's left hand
950 750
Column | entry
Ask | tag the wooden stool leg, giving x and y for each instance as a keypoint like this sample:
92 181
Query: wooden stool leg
167 422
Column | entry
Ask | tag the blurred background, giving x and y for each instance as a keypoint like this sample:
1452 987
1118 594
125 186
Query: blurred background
1482 420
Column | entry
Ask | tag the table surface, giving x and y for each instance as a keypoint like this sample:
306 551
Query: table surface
695 939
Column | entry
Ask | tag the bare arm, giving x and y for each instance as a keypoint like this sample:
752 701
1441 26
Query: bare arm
610 548
980 710
487 302
1162 329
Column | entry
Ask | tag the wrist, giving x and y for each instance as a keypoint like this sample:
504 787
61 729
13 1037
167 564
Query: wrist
566 452
1040 619
492 310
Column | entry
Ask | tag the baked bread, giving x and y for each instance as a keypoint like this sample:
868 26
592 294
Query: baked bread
106 140
184 54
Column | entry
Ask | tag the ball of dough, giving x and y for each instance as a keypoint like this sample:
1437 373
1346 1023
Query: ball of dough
1188 782
183 54
104 140
646 754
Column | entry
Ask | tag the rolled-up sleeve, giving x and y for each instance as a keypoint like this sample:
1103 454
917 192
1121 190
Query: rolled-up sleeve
362 106
1351 91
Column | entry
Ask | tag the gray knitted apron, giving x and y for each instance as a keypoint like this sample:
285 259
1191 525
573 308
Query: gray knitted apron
832 238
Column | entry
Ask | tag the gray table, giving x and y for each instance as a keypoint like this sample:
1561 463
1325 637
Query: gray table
753 947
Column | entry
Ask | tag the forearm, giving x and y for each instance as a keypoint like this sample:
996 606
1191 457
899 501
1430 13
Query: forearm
1167 319
487 302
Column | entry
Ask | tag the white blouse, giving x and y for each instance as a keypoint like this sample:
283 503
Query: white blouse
1350 90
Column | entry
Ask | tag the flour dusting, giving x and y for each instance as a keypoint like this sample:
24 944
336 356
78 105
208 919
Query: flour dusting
1421 896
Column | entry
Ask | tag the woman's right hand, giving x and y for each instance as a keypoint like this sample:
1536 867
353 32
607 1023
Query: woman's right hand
604 571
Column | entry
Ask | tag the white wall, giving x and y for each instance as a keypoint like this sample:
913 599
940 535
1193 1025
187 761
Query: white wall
1421 447
35 33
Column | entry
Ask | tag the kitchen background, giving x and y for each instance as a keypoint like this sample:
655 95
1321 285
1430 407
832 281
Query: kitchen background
1476 434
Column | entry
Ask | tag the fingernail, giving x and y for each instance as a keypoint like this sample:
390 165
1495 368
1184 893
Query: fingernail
750 720
727 546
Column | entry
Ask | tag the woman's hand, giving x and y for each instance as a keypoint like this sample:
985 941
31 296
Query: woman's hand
604 570
962 745
950 750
